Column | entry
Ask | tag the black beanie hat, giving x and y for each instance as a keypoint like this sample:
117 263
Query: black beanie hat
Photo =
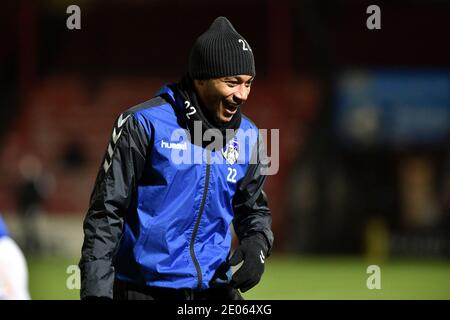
221 52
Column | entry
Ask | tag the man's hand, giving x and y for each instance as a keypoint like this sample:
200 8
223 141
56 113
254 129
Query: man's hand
247 262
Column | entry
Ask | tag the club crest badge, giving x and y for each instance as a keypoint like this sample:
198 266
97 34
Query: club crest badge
231 151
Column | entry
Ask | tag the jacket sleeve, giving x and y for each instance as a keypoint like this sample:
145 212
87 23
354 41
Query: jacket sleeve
114 188
251 210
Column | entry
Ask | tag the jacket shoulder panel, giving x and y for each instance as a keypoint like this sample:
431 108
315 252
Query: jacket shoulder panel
247 123
150 111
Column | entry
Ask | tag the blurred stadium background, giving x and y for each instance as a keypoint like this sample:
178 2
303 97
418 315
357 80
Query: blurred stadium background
364 119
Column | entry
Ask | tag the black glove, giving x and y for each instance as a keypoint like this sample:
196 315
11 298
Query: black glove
247 262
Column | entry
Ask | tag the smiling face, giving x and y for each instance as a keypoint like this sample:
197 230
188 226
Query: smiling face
223 96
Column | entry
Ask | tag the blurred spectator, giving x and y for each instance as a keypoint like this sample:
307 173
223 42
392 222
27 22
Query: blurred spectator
73 156
13 268
31 191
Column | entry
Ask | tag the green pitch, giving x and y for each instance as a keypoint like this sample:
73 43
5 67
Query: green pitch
292 278
346 278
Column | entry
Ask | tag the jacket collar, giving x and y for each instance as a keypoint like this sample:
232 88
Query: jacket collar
183 98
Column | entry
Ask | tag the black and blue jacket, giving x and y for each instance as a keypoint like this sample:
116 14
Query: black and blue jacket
162 206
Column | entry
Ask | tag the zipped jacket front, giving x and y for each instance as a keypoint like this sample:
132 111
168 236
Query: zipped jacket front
162 206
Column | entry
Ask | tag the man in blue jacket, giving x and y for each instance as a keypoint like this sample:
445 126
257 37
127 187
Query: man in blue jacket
181 170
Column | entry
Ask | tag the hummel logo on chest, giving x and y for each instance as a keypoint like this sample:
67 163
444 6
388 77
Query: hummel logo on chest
173 145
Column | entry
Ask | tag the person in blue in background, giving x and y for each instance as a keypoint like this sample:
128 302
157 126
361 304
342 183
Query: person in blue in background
159 228
13 268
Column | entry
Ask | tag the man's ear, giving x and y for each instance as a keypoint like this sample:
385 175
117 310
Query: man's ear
199 87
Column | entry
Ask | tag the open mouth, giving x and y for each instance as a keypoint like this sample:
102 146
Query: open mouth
231 108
